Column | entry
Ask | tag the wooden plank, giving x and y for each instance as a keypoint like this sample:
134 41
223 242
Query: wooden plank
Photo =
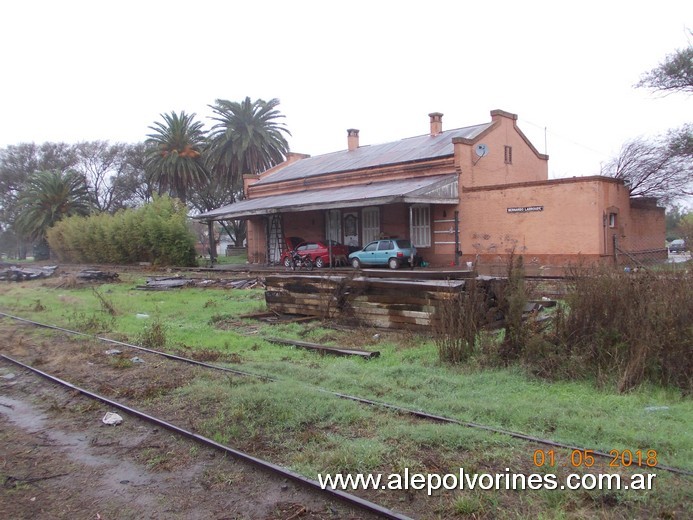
280 317
302 309
325 349
419 285
418 274
408 306
276 297
389 311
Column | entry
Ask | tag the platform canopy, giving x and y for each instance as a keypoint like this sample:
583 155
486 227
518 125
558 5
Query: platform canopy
438 189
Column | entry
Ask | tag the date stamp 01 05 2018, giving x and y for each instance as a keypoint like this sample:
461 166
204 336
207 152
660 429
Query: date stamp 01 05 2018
585 458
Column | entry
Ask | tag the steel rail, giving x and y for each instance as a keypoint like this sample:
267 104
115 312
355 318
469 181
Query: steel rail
260 463
399 409
138 347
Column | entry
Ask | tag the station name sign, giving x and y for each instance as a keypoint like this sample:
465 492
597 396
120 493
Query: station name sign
526 209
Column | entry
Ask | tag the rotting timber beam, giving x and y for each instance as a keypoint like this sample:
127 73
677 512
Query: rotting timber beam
366 354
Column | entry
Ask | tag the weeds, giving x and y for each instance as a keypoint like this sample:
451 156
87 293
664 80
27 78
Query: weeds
154 335
106 304
614 327
632 327
121 362
459 323
92 324
513 306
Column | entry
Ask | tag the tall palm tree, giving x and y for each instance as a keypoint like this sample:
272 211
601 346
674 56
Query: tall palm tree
175 153
50 196
247 137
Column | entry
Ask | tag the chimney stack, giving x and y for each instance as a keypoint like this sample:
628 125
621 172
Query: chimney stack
436 123
352 139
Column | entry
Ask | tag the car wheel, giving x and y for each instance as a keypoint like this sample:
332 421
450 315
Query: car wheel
393 263
287 261
356 263
319 262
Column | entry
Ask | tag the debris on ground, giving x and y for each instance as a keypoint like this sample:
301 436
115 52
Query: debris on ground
112 419
165 283
112 352
176 282
14 273
324 349
277 317
137 360
96 274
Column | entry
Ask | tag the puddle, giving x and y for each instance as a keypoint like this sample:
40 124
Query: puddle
113 474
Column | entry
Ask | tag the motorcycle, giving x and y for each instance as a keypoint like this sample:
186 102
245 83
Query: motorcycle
300 261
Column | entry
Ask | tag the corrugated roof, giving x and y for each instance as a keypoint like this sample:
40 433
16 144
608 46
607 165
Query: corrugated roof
441 189
406 150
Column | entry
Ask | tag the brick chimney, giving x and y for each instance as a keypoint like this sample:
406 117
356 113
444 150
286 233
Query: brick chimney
436 123
352 139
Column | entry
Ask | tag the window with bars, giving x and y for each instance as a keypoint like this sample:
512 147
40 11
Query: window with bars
371 224
508 155
420 225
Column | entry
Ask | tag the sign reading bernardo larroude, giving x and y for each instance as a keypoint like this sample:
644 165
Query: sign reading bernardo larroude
526 209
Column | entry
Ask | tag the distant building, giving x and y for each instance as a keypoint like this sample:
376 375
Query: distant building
470 194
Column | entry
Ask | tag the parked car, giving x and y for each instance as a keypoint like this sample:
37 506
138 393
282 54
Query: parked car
293 242
677 246
318 252
391 252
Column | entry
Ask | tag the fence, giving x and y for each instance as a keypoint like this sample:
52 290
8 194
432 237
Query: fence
639 253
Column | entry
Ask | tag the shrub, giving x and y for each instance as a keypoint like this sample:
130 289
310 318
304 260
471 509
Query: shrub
513 302
157 232
459 323
633 327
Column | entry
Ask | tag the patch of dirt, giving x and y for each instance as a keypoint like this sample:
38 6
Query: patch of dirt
67 464
58 460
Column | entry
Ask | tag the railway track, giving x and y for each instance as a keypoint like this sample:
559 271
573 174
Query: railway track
334 494
419 414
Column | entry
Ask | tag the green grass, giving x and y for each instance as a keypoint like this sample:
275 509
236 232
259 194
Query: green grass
292 423
571 412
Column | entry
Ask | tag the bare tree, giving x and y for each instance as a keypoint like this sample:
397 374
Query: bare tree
100 163
135 185
674 74
661 168
685 229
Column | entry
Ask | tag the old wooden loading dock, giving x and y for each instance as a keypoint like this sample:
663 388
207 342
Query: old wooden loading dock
391 299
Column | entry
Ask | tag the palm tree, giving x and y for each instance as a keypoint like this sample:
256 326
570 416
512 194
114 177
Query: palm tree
247 137
175 153
50 196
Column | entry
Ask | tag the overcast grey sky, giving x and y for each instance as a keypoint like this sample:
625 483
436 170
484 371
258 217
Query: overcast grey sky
86 70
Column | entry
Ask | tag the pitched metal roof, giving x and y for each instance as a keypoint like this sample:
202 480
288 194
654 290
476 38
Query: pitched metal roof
402 151
437 189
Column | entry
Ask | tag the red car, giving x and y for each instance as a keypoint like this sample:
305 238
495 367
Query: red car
319 253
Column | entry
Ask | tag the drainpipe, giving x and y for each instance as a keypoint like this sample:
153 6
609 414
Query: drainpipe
615 240
458 253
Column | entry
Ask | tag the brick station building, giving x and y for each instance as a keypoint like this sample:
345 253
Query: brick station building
469 194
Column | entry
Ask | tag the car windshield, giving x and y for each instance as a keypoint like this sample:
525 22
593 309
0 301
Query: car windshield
403 244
